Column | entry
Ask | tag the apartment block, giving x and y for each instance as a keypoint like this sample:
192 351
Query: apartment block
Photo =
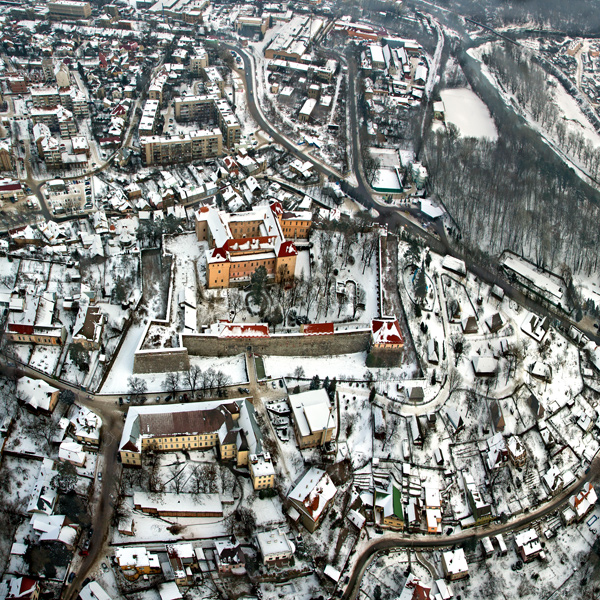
184 148
69 9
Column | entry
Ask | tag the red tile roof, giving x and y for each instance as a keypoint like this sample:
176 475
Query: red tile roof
317 328
287 249
386 331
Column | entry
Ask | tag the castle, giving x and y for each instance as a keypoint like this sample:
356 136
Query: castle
241 242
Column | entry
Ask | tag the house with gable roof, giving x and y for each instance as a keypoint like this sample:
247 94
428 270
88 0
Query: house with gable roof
312 496
386 334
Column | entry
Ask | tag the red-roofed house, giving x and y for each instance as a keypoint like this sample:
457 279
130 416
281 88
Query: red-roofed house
386 334
21 588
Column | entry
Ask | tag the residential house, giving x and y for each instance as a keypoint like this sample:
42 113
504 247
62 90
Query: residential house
583 502
55 528
37 396
494 322
413 589
314 422
93 591
516 451
230 557
553 480
182 559
136 561
454 564
388 504
19 588
481 511
275 547
528 545
433 509
72 452
312 496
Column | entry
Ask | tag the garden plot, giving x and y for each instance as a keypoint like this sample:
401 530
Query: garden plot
329 245
355 425
45 358
396 432
435 437
8 272
387 573
18 476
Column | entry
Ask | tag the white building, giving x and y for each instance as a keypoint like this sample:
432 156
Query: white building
275 546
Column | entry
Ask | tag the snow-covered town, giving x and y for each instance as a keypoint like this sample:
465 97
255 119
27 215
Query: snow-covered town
296 301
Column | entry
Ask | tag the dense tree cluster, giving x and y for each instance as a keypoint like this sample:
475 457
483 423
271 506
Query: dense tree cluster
504 195
519 74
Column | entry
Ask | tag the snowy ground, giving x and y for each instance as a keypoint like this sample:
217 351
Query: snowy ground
468 112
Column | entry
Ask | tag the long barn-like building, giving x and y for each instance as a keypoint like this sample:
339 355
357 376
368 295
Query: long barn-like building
229 426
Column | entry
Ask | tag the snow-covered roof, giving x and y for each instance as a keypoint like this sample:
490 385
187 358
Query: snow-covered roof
138 557
169 591
313 492
455 561
37 392
386 331
178 503
43 497
54 528
274 542
71 452
93 591
312 411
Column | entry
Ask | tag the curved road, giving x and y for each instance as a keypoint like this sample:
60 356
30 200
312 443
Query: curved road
430 542
392 216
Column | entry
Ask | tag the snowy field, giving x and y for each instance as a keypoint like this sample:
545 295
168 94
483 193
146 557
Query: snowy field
116 383
343 366
468 112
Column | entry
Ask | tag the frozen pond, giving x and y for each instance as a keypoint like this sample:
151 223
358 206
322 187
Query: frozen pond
468 112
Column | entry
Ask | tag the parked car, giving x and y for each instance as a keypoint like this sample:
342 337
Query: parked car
168 398
99 476
71 577
104 567
120 401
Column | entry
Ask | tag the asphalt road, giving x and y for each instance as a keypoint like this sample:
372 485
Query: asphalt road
264 124
101 511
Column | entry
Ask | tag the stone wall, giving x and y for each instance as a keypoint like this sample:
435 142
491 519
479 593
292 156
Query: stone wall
161 361
344 342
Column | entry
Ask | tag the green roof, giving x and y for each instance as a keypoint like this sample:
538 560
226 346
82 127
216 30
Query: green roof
397 497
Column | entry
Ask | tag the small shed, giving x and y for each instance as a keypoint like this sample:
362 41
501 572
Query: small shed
469 324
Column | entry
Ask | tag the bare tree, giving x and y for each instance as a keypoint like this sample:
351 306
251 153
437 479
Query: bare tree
176 477
221 380
137 386
358 300
299 372
192 378
454 380
171 382
236 302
